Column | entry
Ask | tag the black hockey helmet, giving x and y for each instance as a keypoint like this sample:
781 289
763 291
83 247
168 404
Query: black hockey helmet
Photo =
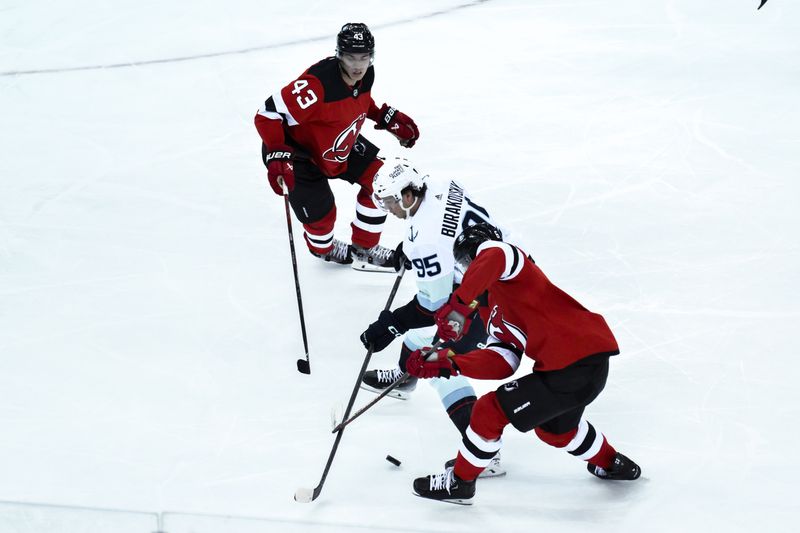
465 247
355 38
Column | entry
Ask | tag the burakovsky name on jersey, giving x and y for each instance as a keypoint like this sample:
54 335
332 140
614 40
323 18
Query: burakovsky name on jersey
452 210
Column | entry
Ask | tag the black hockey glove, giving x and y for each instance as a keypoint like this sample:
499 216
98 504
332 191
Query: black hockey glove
382 332
399 258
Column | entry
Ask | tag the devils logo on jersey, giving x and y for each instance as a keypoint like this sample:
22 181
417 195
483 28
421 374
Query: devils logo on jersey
344 141
505 331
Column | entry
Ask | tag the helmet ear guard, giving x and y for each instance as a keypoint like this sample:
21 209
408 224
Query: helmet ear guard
465 247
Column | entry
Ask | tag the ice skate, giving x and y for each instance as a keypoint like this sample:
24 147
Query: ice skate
495 469
375 259
622 468
377 380
445 487
340 253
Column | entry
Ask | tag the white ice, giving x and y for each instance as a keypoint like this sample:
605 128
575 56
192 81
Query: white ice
649 151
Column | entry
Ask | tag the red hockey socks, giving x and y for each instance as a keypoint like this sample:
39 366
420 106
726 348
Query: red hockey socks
481 440
584 442
368 224
319 234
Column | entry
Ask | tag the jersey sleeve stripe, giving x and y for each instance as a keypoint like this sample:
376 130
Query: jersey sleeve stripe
268 110
280 107
513 260
508 353
514 271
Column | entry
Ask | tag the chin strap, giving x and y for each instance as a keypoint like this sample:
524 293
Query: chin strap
408 209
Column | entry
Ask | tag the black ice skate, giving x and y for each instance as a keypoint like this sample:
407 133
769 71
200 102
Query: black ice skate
340 253
622 468
445 487
377 380
375 259
495 469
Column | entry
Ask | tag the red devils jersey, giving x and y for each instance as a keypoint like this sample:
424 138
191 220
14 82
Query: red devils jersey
531 314
319 113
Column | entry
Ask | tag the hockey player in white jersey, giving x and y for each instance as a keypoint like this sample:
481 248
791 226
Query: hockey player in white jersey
436 211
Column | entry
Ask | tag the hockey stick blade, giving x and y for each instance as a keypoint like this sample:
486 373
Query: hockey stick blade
336 415
303 367
305 495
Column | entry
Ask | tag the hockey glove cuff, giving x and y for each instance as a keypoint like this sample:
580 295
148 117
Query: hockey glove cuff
279 165
398 124
382 332
423 364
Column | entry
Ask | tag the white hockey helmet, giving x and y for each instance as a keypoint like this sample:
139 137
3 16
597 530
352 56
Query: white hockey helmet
395 175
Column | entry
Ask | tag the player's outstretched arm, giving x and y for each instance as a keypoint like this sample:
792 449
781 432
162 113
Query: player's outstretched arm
398 124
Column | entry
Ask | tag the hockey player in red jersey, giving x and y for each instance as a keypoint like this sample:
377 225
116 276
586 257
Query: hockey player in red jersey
311 133
526 315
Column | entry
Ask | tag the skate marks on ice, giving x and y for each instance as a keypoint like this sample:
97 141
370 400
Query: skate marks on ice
240 51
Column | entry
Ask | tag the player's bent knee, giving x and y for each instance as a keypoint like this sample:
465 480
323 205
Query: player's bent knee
488 419
559 440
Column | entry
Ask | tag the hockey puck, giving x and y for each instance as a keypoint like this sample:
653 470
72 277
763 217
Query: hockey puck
392 460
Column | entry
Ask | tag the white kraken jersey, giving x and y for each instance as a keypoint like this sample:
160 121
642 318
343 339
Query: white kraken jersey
443 214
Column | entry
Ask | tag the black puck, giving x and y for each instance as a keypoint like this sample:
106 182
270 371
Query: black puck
392 460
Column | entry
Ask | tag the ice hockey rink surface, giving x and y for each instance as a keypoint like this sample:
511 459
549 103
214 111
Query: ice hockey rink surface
647 151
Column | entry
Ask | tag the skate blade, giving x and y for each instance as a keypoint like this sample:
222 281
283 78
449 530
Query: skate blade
369 267
456 501
399 395
492 472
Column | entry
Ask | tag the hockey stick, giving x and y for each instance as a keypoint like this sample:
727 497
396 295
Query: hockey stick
303 365
382 395
308 495
391 387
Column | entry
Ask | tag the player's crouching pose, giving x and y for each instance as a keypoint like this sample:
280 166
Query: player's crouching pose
311 133
529 315
435 212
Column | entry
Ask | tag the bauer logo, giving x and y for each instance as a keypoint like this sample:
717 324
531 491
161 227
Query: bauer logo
521 407
511 385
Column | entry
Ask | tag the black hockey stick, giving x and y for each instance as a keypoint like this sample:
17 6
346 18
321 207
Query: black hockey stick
308 495
303 365
382 395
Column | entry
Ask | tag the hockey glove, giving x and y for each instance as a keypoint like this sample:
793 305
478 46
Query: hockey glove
279 165
382 332
438 364
454 318
399 258
398 124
